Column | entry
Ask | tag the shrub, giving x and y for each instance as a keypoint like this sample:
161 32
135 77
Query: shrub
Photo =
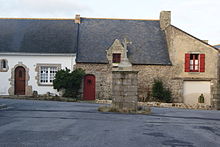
69 81
160 93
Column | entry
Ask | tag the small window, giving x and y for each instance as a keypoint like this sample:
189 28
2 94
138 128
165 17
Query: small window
194 62
116 58
3 65
47 74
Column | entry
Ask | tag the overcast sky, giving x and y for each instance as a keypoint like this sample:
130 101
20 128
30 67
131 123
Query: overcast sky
200 18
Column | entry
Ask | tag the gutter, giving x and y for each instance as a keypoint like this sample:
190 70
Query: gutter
37 54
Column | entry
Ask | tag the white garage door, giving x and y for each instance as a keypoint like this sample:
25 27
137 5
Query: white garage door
193 89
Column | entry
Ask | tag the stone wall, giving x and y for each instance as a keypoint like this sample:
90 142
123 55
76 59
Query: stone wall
180 43
102 73
146 76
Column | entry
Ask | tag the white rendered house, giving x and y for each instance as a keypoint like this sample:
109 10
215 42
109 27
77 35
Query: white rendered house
31 51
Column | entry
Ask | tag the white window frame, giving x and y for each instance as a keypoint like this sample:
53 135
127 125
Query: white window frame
48 67
49 75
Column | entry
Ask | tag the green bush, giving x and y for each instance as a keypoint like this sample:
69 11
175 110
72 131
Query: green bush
69 81
160 93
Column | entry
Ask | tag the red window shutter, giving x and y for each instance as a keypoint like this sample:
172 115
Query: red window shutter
202 62
187 62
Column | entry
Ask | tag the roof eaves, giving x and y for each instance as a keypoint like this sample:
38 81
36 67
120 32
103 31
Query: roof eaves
120 19
36 54
80 62
40 18
216 45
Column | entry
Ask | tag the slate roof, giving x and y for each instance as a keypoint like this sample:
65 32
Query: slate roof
97 35
217 46
38 35
90 39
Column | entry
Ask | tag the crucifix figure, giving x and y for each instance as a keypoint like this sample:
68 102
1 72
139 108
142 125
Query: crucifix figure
125 43
125 64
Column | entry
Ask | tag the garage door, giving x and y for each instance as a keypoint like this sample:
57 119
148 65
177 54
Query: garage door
193 89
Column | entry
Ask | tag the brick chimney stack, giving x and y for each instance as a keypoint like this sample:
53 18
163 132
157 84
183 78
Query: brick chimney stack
77 18
165 19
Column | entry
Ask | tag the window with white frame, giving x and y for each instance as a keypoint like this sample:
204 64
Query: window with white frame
47 74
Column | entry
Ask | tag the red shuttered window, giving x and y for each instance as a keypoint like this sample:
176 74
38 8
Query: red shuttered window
194 62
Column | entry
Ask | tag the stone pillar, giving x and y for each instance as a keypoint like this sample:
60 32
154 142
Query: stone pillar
216 99
124 90
216 90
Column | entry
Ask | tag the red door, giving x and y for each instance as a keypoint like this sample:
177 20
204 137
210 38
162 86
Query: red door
20 81
89 87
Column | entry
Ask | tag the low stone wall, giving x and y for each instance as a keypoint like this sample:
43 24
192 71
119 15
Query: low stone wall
165 105
103 101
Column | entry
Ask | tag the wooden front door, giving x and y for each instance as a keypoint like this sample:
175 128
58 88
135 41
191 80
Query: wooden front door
20 81
89 87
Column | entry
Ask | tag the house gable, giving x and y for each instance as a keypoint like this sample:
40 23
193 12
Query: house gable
181 43
116 49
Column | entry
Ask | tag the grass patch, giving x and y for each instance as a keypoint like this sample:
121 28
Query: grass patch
140 110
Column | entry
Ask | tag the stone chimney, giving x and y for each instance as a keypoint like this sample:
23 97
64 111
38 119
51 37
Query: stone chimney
77 18
165 19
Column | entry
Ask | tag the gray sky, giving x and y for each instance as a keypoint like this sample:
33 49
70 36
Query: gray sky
200 18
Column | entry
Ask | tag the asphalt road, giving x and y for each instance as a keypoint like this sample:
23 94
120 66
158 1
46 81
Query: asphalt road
27 123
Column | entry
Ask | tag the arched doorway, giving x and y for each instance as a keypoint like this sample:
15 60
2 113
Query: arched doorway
20 80
89 87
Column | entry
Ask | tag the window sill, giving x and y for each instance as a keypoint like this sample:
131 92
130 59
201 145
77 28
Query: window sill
4 70
42 84
194 72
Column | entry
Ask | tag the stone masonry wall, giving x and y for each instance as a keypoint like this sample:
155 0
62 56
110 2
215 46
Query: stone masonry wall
102 73
146 76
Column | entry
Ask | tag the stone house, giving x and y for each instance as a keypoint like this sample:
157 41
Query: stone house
187 65
31 51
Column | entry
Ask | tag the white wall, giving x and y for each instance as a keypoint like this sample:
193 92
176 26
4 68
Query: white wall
30 62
